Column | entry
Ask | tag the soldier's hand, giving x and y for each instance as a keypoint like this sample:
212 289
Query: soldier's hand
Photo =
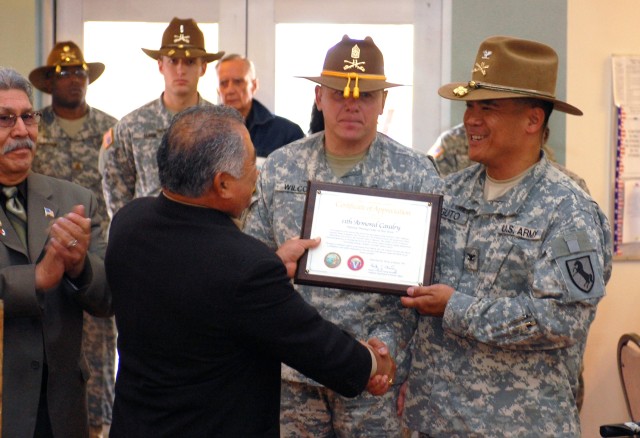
428 300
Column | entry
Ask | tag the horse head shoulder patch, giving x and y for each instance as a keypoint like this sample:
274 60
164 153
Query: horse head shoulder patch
581 273
577 259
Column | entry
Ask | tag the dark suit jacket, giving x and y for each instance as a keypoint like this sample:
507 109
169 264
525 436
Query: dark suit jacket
205 315
47 320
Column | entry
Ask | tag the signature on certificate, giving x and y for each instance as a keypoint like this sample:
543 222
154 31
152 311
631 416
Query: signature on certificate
383 268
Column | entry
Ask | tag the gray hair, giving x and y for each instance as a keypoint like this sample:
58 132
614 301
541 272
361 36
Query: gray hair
233 56
10 79
201 142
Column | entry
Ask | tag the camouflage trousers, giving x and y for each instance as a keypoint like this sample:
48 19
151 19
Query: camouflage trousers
99 344
317 412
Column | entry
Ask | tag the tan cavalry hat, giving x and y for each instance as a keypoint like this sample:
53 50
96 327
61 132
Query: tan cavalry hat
63 54
507 68
183 39
353 66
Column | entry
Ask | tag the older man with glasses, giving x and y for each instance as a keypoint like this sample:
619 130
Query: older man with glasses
51 270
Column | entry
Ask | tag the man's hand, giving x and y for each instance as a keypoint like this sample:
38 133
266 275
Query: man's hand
386 368
291 251
50 269
70 237
428 300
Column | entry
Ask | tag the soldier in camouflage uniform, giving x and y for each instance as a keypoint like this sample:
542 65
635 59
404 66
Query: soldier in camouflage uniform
523 262
451 153
349 151
69 138
129 156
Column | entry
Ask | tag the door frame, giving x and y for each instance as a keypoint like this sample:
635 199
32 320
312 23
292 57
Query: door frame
248 27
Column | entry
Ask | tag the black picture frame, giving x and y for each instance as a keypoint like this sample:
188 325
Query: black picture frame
315 188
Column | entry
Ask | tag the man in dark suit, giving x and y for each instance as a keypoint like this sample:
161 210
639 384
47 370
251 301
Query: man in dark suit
205 313
50 271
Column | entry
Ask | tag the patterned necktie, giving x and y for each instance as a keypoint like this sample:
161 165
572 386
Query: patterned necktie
16 212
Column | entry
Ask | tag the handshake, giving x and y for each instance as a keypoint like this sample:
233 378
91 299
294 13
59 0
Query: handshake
384 367
384 370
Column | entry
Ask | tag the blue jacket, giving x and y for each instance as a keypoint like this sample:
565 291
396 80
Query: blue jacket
269 132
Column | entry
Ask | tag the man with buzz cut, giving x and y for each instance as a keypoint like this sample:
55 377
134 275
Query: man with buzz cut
129 155
349 151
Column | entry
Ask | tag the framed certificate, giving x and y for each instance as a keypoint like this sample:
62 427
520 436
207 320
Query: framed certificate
372 240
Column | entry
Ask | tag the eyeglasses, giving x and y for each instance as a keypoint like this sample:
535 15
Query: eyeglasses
79 72
29 119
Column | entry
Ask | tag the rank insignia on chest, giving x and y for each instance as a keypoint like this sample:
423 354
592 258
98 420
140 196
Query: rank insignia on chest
471 256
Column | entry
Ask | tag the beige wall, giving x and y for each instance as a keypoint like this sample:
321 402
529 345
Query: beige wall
18 35
597 29
538 20
22 38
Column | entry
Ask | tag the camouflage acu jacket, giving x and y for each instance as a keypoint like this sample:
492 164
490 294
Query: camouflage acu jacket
277 214
130 167
528 269
74 158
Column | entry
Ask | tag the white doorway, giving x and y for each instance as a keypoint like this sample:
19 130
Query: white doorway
410 33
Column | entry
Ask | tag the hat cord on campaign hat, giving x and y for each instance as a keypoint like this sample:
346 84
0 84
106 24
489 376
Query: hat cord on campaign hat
461 91
352 75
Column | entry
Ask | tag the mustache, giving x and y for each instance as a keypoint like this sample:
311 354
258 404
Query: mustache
18 144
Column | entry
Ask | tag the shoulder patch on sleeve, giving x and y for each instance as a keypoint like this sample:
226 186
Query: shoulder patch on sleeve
436 151
577 260
107 138
582 276
581 273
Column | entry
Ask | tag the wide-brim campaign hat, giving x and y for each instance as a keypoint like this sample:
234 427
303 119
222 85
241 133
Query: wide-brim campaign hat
353 66
183 39
507 68
63 54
